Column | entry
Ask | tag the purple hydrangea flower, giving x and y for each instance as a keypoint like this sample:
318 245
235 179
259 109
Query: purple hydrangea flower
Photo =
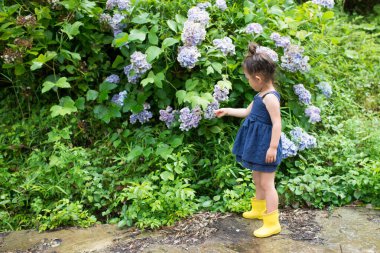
211 107
193 33
266 50
113 79
254 28
105 18
303 94
139 66
116 24
142 116
189 119
303 139
313 113
220 94
288 147
225 45
221 4
188 56
130 73
279 40
120 4
326 3
168 116
198 15
119 98
293 59
204 5
325 88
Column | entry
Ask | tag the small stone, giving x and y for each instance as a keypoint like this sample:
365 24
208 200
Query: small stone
237 230
368 206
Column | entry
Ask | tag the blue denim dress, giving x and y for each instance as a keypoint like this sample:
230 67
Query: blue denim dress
254 136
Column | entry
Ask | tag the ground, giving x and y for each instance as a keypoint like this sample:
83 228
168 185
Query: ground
348 229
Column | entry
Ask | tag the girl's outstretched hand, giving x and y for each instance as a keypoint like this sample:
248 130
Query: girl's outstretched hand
221 112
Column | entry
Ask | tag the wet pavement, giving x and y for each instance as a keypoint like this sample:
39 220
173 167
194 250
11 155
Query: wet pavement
347 229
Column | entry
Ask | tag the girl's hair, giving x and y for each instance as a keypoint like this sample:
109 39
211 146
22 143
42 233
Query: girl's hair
259 63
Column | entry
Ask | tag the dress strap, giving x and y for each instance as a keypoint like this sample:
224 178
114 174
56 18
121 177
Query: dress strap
272 92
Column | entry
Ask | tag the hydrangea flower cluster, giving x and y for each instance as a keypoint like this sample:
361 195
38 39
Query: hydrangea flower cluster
142 116
193 33
120 4
211 107
288 147
325 88
188 56
293 59
279 40
115 23
119 98
303 139
313 113
198 15
113 79
189 119
168 116
204 5
254 28
266 50
139 65
220 94
325 3
303 94
225 45
221 4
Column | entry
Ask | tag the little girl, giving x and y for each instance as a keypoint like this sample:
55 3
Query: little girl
257 145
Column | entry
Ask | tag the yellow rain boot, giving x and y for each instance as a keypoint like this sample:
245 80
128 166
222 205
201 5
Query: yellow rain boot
258 209
271 225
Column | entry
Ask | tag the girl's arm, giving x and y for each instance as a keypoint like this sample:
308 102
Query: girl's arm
273 106
240 113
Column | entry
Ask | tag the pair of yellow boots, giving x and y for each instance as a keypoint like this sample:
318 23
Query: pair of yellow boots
271 220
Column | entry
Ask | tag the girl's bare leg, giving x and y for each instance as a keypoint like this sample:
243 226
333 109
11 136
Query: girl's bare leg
260 194
267 185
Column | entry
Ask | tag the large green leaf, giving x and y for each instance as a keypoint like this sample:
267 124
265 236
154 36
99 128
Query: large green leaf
66 106
169 42
71 29
42 59
137 34
152 53
61 83
120 40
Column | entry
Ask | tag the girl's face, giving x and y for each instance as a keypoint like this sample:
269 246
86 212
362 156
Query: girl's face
255 81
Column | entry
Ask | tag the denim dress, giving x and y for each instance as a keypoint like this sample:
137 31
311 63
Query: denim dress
253 138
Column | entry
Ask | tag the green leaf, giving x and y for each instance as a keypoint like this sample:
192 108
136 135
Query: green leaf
217 66
164 151
152 53
106 113
181 94
275 10
71 29
42 59
351 54
119 60
215 129
169 42
225 84
67 106
42 13
167 175
141 19
137 35
210 70
327 15
91 95
146 81
61 83
79 103
70 4
107 86
172 25
19 69
120 40
158 79
135 153
152 37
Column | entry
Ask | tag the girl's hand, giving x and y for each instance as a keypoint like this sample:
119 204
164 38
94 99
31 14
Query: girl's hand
221 112
271 155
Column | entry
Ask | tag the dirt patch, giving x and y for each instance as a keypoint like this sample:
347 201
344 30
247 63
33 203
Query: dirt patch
42 246
302 224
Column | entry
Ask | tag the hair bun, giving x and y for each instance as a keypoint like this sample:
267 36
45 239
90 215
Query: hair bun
252 48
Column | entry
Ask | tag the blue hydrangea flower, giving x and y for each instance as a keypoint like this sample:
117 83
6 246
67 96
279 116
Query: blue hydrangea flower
325 88
279 40
221 4
326 3
188 56
293 59
139 66
220 94
193 33
113 79
266 50
189 119
204 5
120 4
211 107
225 45
130 73
313 113
198 15
142 116
254 28
116 24
168 116
105 18
119 98
303 94
303 139
288 147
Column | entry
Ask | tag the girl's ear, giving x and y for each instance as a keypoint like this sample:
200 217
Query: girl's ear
258 78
